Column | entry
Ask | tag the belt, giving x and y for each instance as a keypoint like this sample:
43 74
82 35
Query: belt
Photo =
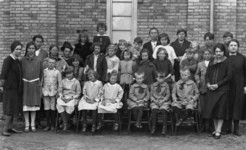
33 80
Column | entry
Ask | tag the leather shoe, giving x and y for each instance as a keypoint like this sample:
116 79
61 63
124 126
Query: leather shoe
5 133
93 128
116 126
84 128
237 133
13 130
99 126
217 135
179 122
164 130
153 130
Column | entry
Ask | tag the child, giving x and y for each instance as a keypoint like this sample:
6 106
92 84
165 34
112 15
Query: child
111 102
126 73
189 63
92 92
163 64
112 60
184 95
51 80
101 37
160 100
122 45
138 98
69 92
97 62
227 37
136 48
200 80
78 71
143 64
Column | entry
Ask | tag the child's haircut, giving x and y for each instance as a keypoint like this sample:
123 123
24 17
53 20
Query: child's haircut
209 35
160 73
138 40
164 35
94 45
161 49
184 70
207 50
123 42
182 30
77 58
189 50
101 25
126 51
38 36
139 74
93 72
221 47
114 47
228 34
52 58
28 45
113 73
153 28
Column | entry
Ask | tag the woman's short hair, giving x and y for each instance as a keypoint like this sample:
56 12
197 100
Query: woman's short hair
93 72
101 25
209 35
164 35
38 36
228 34
221 47
234 40
182 30
83 34
28 45
14 45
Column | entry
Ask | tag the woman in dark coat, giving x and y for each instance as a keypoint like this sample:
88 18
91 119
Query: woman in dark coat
11 81
237 87
83 48
218 76
179 46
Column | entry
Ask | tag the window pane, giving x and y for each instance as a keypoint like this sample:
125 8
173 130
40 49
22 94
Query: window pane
122 9
121 23
126 35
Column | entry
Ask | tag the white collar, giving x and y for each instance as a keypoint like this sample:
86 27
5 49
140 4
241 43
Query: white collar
154 42
49 69
102 35
70 80
111 84
11 55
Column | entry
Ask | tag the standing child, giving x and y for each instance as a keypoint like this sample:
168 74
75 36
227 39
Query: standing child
97 62
69 92
122 45
101 37
51 80
200 81
78 71
112 60
111 101
185 95
160 100
92 92
189 63
138 98
137 44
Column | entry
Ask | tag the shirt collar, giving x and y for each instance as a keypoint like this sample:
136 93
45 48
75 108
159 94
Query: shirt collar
142 85
102 35
70 80
232 54
11 55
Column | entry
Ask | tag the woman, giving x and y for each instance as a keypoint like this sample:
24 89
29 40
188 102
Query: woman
218 76
11 83
61 64
32 75
179 46
238 87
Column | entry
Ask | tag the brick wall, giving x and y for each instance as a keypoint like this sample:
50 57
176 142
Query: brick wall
241 24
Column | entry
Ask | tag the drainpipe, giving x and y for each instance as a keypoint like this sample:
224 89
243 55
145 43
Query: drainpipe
212 16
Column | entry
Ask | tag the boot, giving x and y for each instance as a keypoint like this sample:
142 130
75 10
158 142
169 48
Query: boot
53 120
47 128
164 130
84 127
64 120
153 130
236 128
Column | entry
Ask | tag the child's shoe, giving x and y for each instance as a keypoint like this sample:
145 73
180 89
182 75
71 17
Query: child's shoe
164 130
189 121
99 126
116 126
93 128
65 127
84 128
52 128
47 129
153 130
179 122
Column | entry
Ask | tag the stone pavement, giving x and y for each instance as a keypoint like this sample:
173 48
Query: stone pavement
186 140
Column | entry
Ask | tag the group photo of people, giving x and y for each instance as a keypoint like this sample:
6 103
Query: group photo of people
158 84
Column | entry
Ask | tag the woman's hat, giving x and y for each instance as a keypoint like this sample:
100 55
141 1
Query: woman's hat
66 44
69 69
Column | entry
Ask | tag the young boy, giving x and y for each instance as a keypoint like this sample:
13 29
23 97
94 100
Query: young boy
227 37
185 95
112 60
160 100
51 81
137 44
189 63
69 92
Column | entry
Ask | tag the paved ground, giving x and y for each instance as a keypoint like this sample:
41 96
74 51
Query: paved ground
187 140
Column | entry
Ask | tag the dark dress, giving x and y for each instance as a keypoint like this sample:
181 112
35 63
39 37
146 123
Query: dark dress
83 50
179 50
237 103
12 95
104 40
148 46
216 103
165 66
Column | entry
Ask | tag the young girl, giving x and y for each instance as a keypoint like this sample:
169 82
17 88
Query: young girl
112 60
69 92
32 68
126 73
97 62
51 80
185 95
101 37
160 100
78 71
144 65
111 101
122 45
163 64
92 92
138 98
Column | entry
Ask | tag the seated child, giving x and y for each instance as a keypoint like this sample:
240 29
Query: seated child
185 95
160 100
112 60
111 101
189 63
69 92
137 44
51 80
138 98
92 91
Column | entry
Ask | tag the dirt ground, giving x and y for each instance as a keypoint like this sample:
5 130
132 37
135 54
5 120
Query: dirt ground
107 140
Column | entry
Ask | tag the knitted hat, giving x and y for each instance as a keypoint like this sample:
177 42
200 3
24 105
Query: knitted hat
14 45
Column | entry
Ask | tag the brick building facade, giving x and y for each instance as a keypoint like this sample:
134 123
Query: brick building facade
58 20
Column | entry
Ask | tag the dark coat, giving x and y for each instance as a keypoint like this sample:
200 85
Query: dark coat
148 46
101 65
179 50
237 109
164 66
13 86
104 40
83 50
42 54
